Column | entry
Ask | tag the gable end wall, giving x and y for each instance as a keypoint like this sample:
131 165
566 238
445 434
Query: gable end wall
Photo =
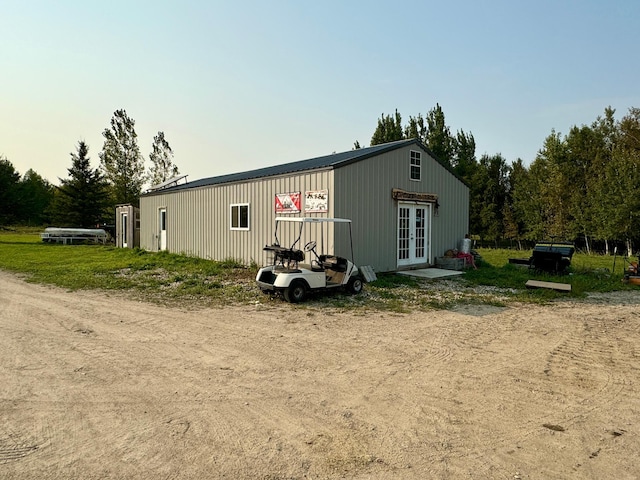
363 193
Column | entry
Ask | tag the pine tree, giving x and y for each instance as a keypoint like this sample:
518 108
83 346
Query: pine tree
82 200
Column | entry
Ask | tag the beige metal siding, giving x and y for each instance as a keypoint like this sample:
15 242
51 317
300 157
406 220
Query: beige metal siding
198 220
363 193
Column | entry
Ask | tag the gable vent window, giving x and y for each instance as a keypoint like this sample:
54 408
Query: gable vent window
415 165
240 216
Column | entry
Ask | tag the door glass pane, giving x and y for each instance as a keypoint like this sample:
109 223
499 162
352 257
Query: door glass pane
420 231
403 234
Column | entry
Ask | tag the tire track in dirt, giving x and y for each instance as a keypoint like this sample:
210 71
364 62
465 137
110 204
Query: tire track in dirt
15 446
484 367
585 363
581 363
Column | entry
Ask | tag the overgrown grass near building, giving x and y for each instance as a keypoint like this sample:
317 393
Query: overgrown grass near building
194 282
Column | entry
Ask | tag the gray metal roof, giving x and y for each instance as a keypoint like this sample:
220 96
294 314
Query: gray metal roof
328 161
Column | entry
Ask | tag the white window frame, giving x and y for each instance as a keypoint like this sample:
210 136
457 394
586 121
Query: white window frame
415 155
239 206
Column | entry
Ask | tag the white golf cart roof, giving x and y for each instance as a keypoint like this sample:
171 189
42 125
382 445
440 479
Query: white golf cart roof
312 220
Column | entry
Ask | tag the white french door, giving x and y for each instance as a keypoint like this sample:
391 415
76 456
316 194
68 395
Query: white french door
414 234
163 229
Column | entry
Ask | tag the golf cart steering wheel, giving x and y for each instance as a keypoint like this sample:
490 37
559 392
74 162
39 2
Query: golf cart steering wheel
310 246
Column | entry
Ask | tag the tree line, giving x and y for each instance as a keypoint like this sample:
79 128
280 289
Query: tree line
88 196
582 187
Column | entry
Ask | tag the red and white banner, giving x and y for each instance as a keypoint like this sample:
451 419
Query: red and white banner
288 202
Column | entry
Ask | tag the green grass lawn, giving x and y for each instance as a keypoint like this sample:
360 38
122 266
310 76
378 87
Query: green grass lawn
171 278
160 275
587 273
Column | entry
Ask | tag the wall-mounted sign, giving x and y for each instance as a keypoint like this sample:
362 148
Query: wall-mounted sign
398 194
316 201
288 202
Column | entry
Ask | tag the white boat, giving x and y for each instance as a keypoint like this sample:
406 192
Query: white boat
69 235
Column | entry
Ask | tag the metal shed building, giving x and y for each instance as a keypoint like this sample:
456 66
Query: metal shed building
406 207
127 226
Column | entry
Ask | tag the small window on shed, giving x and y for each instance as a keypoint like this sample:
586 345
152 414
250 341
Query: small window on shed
415 165
240 216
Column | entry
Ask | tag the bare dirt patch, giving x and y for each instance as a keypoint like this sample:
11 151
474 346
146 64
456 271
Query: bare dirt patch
97 386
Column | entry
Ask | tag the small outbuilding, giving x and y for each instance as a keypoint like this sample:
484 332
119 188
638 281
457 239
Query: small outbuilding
127 226
406 207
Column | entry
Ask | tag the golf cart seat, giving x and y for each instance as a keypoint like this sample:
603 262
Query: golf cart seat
331 262
284 253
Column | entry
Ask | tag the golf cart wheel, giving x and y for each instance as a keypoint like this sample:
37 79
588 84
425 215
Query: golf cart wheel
296 292
355 285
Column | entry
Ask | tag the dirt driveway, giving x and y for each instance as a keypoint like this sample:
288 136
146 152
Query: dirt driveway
94 386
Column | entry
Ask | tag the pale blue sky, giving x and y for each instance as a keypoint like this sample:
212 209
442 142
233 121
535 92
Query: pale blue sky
241 85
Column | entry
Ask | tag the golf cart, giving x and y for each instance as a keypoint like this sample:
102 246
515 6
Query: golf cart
293 278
